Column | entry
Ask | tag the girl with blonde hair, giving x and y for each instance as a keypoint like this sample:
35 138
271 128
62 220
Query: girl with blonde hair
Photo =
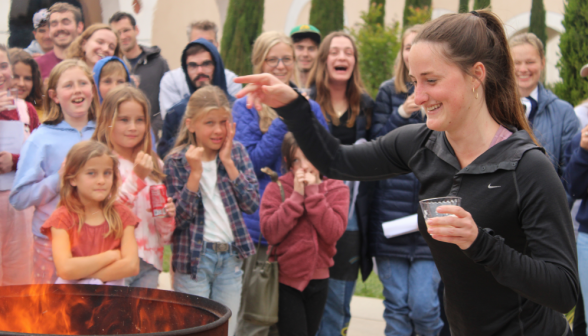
92 235
211 180
70 108
124 126
96 42
261 132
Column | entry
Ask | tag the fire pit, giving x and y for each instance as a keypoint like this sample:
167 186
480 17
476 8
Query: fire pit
108 310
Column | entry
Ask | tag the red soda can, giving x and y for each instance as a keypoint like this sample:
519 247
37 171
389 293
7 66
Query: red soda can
158 197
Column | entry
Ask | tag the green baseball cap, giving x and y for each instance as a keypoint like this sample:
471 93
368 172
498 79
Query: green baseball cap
306 31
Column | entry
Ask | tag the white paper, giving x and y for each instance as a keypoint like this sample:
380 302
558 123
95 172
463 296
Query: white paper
401 226
11 140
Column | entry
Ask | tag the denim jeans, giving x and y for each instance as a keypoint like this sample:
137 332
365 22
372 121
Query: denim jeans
582 246
218 278
410 291
337 313
148 276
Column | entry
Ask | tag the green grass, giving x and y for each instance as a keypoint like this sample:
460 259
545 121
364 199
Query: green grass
372 287
166 257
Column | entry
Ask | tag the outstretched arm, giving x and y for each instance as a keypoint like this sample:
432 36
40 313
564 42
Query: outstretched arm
385 157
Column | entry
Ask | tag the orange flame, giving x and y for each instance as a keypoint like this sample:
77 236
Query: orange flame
75 310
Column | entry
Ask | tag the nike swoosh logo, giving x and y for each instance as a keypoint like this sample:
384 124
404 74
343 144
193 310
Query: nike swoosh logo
490 186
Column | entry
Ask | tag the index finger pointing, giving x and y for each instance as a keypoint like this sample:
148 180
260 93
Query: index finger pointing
250 79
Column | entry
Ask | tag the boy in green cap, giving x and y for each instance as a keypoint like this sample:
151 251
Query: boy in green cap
306 40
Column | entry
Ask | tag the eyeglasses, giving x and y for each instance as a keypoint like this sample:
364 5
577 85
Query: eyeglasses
206 65
274 61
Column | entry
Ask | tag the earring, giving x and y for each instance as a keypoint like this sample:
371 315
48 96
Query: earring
474 91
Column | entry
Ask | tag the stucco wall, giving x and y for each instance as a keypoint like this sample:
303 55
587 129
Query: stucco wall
170 19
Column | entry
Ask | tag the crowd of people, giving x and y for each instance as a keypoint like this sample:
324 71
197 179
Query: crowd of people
92 121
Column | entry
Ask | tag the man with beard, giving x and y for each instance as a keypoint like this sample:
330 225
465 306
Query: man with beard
202 65
146 62
306 40
174 87
65 24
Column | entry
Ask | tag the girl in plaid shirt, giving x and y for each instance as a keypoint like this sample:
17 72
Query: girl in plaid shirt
211 180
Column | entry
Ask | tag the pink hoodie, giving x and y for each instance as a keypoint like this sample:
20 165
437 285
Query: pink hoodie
305 227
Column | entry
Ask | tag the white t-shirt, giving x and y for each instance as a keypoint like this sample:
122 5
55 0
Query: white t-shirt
217 227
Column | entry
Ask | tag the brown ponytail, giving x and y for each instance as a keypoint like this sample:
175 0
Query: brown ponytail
479 37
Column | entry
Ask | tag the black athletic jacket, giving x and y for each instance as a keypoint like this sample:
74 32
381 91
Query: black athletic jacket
520 274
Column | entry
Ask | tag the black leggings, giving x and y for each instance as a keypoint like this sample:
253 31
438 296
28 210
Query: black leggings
300 313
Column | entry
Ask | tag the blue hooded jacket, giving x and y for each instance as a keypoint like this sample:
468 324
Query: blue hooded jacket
98 71
395 197
175 114
554 126
37 181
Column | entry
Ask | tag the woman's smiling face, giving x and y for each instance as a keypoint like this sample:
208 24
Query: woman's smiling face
528 67
441 87
101 44
23 79
285 67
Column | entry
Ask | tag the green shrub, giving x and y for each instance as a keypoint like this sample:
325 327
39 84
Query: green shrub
573 46
326 15
464 6
242 26
377 47
380 19
410 5
537 25
481 4
418 15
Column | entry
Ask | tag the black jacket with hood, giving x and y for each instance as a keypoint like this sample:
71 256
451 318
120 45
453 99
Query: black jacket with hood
520 274
174 116
151 67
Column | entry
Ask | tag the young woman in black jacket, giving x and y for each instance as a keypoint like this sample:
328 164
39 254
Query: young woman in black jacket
507 257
